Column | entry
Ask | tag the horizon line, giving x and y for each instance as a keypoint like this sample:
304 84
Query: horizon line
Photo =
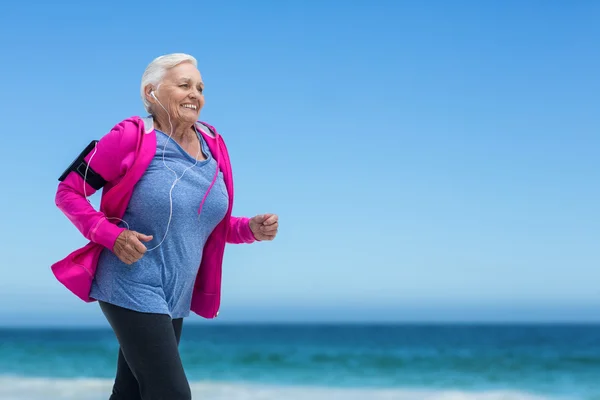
432 322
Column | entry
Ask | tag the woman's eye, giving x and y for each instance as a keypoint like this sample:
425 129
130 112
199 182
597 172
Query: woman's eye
183 85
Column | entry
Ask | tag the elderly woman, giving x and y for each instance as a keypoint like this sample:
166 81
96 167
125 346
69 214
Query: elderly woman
157 242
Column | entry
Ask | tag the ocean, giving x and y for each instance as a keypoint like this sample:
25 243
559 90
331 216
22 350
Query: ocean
318 361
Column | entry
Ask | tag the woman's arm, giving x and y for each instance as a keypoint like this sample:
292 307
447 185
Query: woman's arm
256 229
239 231
71 197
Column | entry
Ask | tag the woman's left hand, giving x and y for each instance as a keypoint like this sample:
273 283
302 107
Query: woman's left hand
264 226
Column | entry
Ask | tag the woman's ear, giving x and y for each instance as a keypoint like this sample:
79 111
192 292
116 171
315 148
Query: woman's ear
150 95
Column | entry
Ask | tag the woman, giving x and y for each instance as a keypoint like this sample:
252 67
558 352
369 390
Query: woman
157 242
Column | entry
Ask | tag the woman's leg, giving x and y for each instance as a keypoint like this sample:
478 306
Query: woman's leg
126 385
149 366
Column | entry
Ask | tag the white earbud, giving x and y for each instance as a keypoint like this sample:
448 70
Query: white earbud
177 178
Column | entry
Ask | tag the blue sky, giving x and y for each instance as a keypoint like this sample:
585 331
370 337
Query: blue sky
428 160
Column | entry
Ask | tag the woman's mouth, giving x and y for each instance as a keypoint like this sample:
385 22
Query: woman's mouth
190 106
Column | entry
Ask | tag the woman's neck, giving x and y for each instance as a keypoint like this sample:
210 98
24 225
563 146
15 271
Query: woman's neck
182 133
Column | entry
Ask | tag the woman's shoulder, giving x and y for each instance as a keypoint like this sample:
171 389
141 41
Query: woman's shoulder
206 128
127 132
134 126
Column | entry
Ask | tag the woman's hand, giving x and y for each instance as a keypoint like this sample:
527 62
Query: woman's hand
264 226
129 247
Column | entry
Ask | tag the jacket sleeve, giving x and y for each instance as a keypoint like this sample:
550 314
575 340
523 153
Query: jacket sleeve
71 195
239 231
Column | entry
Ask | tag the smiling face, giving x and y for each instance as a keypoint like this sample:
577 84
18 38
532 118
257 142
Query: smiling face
180 92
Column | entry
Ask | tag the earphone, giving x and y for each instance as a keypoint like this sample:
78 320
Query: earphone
177 178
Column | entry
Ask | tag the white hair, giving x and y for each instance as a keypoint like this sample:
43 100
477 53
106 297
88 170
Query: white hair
156 70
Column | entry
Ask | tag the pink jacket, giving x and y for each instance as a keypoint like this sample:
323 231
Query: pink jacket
121 158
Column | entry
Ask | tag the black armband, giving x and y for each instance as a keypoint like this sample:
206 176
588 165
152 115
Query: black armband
79 166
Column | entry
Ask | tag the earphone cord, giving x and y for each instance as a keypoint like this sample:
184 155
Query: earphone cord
85 192
177 178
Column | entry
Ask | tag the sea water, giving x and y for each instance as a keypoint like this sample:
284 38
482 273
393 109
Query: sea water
348 361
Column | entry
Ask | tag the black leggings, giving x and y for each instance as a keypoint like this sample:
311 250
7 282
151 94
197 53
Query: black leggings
148 366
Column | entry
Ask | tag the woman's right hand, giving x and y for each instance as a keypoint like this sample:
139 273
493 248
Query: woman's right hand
129 247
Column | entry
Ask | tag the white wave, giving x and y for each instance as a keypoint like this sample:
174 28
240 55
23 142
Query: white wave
19 388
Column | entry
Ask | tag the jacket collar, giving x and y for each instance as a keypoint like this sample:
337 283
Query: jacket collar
148 122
